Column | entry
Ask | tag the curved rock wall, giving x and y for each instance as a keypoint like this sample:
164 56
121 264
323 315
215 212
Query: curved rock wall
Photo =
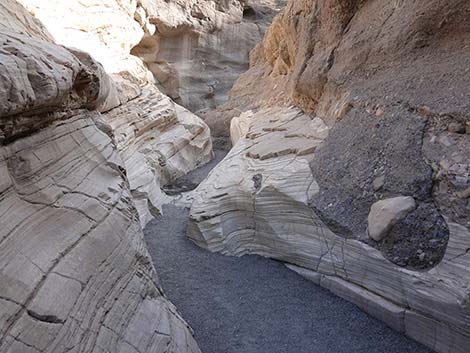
194 49
257 202
199 49
158 140
75 274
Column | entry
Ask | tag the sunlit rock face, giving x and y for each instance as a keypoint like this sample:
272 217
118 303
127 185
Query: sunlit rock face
194 49
389 79
75 275
158 139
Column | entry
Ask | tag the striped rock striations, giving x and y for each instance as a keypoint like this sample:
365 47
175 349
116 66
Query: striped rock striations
75 274
158 139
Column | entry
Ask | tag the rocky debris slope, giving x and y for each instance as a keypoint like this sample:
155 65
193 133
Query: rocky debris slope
158 140
257 202
75 274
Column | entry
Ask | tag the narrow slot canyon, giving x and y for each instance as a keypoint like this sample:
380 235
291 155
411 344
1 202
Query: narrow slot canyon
234 176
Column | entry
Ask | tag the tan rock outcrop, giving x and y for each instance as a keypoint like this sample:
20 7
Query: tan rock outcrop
257 202
75 274
199 49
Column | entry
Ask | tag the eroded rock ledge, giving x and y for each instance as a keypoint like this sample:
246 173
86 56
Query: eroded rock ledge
157 139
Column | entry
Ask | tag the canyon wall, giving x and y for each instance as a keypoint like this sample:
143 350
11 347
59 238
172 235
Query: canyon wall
75 274
376 209
194 49
157 139
198 49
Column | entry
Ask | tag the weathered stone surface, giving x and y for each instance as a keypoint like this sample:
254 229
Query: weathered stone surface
389 79
384 214
158 140
105 29
250 204
75 275
195 50
199 49
15 18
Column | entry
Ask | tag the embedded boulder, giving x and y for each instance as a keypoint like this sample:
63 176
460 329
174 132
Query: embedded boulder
385 214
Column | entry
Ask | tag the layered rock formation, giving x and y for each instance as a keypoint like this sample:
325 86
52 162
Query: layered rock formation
197 49
257 201
389 79
194 49
75 274
158 140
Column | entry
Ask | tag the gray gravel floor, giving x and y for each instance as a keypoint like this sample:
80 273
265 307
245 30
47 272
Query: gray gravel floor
256 305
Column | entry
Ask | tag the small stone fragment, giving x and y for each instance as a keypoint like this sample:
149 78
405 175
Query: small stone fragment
378 183
380 111
424 111
464 194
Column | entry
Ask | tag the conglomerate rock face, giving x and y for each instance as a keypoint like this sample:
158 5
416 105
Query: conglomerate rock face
389 79
75 274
